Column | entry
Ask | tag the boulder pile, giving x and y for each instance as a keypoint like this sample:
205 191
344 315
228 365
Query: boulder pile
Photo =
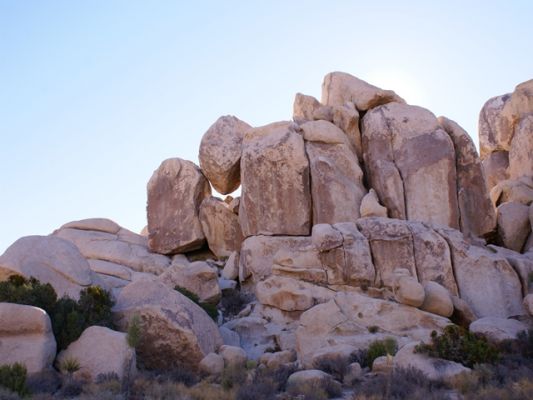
363 218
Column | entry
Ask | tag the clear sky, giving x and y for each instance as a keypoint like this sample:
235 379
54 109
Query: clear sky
95 94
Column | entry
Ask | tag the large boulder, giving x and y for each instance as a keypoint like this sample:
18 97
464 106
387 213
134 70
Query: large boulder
437 300
410 162
175 192
100 351
26 337
347 317
340 87
520 157
494 129
220 153
197 277
476 213
336 178
498 329
479 271
51 260
175 331
112 252
513 225
496 167
517 190
221 227
276 198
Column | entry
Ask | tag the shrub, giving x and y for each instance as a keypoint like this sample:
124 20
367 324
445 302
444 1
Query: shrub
376 349
13 377
210 309
69 366
95 305
337 365
459 345
232 376
373 329
233 301
134 331
319 390
31 292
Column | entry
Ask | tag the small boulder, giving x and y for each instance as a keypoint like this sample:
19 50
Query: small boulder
277 359
353 373
513 225
26 337
409 291
212 364
313 378
233 356
370 206
498 329
437 299
231 268
383 364
100 350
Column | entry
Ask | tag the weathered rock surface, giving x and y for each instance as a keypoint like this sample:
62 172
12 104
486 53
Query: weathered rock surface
220 226
346 319
311 378
176 332
336 178
437 300
513 225
477 267
339 88
370 206
498 329
175 192
520 154
496 168
275 198
231 267
528 303
255 337
197 277
26 337
410 162
49 259
409 291
233 356
476 214
100 350
519 190
212 364
220 153
433 368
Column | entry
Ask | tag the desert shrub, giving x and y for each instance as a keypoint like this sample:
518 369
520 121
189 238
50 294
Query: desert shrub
20 290
319 390
402 383
459 345
107 377
95 305
69 366
134 333
376 349
337 365
233 376
13 377
521 347
262 390
44 382
233 301
210 309
373 329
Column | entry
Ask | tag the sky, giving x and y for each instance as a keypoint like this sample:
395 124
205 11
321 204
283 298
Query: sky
94 95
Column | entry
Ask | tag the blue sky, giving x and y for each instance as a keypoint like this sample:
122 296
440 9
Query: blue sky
95 94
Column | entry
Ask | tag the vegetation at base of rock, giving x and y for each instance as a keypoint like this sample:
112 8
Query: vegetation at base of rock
31 292
377 348
210 309
459 345
134 333
336 366
69 317
69 366
13 377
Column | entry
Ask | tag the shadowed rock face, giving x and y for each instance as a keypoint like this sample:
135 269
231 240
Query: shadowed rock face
175 192
276 197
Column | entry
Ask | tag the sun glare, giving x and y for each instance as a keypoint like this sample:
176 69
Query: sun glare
402 83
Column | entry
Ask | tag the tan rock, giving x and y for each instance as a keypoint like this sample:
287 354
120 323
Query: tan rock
346 319
408 291
462 313
520 191
494 129
231 267
383 365
255 338
220 226
176 332
94 224
100 350
528 303
433 368
522 264
496 167
305 108
112 248
513 225
370 206
175 192
289 294
212 364
476 212
410 162
220 153
197 277
277 359
340 87
437 300
233 356
353 373
336 178
26 337
325 237
311 378
110 269
49 259
498 329
275 198
477 267
346 117
521 152
336 353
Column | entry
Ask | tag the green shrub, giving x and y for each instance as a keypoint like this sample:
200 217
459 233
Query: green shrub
380 348
69 366
459 345
210 309
134 331
95 305
13 377
31 292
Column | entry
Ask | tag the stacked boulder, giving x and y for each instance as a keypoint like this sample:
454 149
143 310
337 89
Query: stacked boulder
363 218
